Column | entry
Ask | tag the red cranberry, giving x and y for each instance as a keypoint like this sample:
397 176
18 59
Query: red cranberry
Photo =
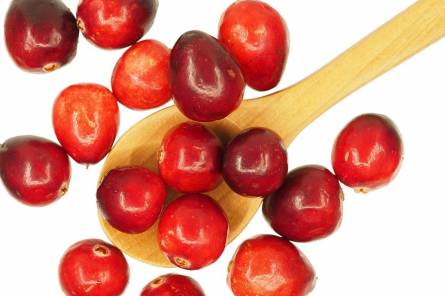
141 76
207 83
193 231
93 268
35 170
190 158
367 153
308 206
256 36
117 23
255 162
41 35
131 198
173 285
86 120
268 265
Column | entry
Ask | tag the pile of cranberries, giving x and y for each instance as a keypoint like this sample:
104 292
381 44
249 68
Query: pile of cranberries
206 76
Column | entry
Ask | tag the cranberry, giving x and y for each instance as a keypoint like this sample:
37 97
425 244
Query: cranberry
35 170
141 76
86 120
131 198
255 162
256 36
93 268
268 265
193 231
207 83
41 35
173 285
117 23
190 158
367 153
307 207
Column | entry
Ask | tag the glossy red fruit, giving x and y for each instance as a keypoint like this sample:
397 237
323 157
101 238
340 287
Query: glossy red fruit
193 231
86 120
368 152
269 265
255 162
40 35
141 76
117 23
308 206
173 285
131 198
256 35
207 83
93 268
35 171
190 158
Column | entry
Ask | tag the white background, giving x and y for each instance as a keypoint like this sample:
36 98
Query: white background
390 241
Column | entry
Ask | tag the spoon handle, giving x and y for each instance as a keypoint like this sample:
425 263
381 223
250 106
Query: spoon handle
292 109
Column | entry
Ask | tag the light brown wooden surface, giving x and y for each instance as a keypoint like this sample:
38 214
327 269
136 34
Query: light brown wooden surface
287 112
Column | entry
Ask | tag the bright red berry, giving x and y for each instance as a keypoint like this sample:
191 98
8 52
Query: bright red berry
256 35
368 152
190 158
141 76
117 23
269 265
86 120
173 285
93 268
193 231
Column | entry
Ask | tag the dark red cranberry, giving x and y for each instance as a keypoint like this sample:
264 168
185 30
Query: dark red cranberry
193 231
368 152
93 268
117 23
308 206
255 162
41 35
35 170
131 198
257 37
268 265
141 76
207 83
173 285
86 120
190 158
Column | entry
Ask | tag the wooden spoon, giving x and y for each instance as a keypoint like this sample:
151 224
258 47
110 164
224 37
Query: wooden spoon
287 112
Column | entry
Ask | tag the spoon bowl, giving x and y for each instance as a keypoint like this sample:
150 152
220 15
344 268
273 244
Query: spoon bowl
287 112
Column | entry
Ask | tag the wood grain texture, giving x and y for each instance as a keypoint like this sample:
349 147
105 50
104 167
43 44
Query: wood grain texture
287 112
